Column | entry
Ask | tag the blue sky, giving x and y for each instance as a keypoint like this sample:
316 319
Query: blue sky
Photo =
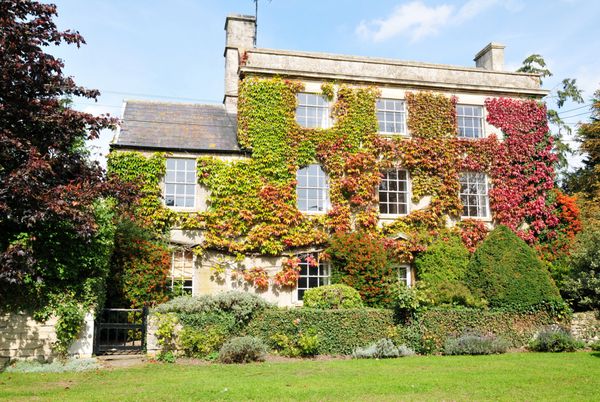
173 50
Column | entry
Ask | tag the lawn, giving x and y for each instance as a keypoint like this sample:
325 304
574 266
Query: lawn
517 376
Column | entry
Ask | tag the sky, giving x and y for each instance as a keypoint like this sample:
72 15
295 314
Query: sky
173 50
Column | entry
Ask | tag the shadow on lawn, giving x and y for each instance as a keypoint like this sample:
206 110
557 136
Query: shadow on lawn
595 354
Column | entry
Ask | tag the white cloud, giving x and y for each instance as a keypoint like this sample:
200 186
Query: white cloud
417 20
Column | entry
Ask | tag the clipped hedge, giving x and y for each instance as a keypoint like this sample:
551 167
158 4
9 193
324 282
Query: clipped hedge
432 328
332 297
508 274
338 331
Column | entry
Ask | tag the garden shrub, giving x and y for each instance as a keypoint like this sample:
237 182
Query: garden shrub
243 350
339 331
242 306
56 366
407 302
382 349
300 344
360 260
332 297
554 339
200 343
441 271
474 344
595 346
429 331
507 273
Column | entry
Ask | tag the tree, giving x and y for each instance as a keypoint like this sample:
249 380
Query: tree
567 90
582 287
55 230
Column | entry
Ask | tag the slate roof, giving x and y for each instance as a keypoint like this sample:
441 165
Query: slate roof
177 126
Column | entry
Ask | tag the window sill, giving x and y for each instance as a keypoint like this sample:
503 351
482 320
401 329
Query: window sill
314 212
393 134
391 216
183 209
477 218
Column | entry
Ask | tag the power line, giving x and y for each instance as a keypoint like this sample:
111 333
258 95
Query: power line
158 96
577 108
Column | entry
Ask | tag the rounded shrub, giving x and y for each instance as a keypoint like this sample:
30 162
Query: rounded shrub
554 339
507 273
243 349
332 297
474 344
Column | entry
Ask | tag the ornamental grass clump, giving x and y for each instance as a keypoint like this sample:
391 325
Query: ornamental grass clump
554 339
332 297
475 344
243 349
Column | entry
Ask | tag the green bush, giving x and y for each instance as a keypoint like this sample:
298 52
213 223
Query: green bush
332 297
241 305
507 273
553 339
360 260
595 346
301 344
200 343
338 331
430 330
243 350
407 303
473 344
441 272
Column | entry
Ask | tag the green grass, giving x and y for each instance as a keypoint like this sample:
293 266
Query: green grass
519 376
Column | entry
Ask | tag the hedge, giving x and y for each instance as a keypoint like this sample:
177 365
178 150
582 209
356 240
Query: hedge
339 331
430 330
507 273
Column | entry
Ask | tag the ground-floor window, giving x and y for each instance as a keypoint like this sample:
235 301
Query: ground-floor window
404 275
313 273
181 281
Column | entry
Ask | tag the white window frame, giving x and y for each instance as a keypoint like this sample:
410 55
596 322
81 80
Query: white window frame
408 193
324 191
173 279
316 107
466 116
407 277
174 182
391 112
323 274
478 195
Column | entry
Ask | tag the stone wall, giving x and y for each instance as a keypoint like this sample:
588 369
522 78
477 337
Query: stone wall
21 337
586 326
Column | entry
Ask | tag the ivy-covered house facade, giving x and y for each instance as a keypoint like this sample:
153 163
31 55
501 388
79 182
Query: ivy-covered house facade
310 145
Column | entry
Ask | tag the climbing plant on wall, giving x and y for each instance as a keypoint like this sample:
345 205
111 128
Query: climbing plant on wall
252 202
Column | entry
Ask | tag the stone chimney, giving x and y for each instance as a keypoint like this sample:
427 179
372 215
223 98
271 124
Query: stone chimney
240 35
491 57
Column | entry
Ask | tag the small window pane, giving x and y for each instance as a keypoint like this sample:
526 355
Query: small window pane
391 116
312 190
474 194
470 121
393 192
312 111
180 182
312 276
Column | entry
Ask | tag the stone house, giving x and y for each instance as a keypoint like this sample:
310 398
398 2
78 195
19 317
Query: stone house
186 132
